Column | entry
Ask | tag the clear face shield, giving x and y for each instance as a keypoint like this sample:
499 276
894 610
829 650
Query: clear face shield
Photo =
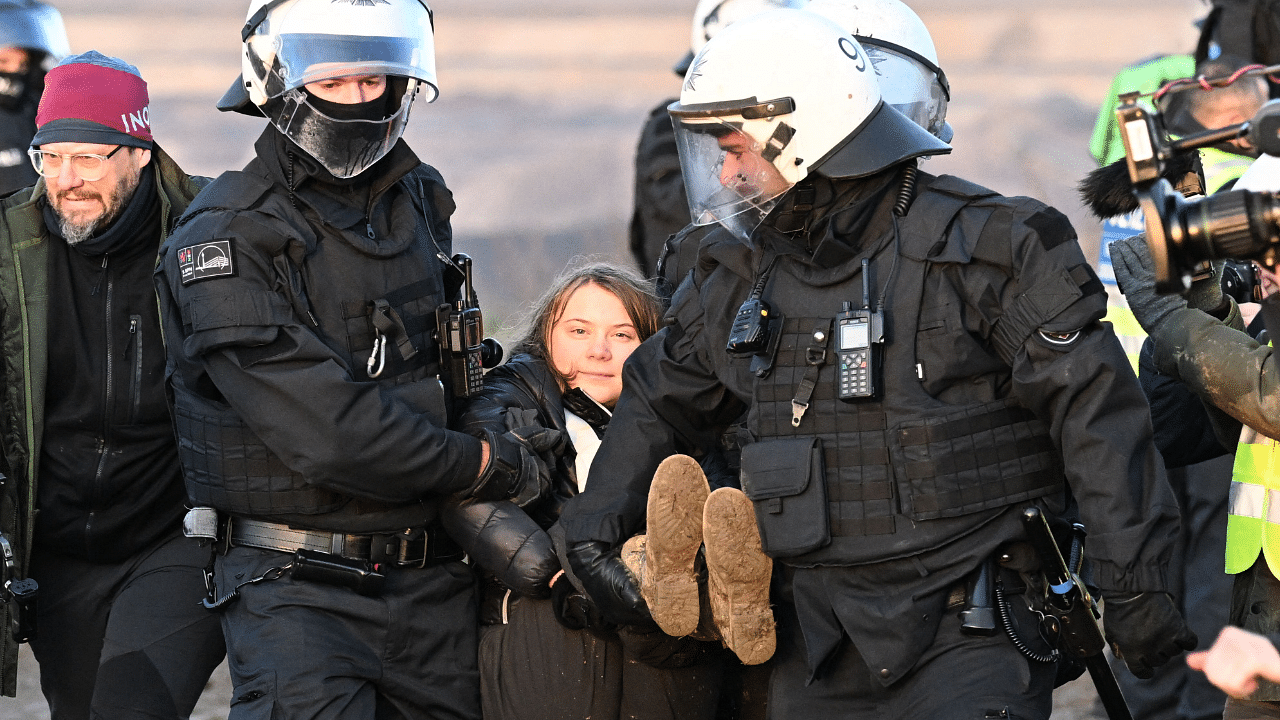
910 88
730 176
344 143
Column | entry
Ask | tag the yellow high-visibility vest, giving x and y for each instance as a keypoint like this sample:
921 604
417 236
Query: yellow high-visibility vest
1221 167
1253 522
1128 331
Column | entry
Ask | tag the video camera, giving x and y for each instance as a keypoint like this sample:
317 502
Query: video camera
1183 234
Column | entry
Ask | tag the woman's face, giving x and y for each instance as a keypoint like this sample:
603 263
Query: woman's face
591 340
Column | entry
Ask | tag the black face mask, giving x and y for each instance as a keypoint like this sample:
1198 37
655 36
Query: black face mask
13 89
375 110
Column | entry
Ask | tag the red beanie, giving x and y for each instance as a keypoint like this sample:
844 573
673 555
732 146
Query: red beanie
92 98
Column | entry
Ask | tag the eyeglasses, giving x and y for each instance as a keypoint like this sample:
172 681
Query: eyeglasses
87 166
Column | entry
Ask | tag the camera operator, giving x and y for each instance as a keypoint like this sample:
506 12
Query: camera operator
1200 340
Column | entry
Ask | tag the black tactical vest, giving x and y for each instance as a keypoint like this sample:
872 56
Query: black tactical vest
904 472
350 294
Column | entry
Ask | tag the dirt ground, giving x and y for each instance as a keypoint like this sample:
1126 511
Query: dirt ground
542 102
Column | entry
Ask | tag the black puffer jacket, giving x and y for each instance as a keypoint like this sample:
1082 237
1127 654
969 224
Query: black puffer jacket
509 542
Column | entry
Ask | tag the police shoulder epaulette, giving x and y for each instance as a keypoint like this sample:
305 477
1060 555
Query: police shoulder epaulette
959 187
232 190
434 190
931 231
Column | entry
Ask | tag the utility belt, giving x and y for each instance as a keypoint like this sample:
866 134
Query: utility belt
355 561
410 548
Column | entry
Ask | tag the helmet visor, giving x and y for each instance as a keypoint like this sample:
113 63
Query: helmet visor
307 57
910 88
728 174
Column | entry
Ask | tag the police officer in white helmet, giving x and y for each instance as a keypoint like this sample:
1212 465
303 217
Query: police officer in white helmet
919 360
314 372
659 204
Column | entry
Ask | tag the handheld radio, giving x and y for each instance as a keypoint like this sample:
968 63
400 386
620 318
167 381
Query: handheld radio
858 335
752 325
461 336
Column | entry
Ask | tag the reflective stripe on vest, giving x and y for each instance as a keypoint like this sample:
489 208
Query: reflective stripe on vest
1253 525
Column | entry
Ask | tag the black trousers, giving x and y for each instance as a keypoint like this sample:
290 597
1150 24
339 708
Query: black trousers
533 668
303 649
960 677
127 639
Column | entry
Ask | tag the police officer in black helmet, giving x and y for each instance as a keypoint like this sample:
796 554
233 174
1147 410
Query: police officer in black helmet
32 40
896 428
302 298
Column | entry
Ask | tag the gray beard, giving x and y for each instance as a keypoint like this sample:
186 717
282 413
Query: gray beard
75 234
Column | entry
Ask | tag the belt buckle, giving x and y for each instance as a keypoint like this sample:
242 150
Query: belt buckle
411 548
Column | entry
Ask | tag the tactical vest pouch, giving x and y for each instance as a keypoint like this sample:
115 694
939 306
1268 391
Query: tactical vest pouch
784 479
977 458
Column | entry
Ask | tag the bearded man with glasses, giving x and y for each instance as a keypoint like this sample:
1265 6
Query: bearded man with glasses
93 502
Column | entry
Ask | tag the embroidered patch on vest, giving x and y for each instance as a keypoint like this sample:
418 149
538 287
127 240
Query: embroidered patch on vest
206 261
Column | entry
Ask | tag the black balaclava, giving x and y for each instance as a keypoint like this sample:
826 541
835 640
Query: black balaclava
20 88
823 212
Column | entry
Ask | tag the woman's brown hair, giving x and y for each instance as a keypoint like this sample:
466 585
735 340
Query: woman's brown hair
636 294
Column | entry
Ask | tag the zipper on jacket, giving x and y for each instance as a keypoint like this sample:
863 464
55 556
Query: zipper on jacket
98 285
104 442
135 394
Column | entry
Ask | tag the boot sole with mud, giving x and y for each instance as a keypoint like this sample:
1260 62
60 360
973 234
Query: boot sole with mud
738 574
674 527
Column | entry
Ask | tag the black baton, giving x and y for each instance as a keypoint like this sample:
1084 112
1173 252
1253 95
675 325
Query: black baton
1077 615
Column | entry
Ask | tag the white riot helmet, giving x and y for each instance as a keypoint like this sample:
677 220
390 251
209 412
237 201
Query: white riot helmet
290 43
712 16
33 25
903 54
774 98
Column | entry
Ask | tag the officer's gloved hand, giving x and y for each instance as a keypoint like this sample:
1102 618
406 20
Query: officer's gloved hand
1145 630
515 471
574 610
1135 274
609 583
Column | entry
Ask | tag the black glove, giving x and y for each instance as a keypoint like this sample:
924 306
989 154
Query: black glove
515 471
609 583
1135 274
1145 630
574 610
544 446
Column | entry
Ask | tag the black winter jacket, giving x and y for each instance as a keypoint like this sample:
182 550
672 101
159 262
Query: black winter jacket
509 542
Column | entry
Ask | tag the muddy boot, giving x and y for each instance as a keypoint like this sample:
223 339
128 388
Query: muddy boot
738 575
674 523
633 557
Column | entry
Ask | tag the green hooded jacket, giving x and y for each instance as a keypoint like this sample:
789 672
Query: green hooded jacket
24 340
